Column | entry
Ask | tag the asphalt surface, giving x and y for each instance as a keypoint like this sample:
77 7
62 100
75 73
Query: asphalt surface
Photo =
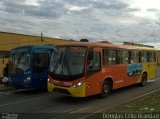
44 105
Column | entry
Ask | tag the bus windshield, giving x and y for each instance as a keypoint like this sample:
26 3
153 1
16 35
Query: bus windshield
19 62
67 61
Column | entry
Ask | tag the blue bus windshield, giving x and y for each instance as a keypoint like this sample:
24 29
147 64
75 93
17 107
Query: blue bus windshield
19 62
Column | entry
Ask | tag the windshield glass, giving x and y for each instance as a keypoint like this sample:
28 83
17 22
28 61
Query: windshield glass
19 62
68 61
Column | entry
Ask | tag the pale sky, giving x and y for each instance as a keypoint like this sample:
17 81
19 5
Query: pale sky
112 20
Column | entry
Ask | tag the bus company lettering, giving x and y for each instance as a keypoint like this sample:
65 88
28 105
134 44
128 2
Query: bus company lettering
119 81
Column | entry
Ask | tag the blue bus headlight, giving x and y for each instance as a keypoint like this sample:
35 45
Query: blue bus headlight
27 79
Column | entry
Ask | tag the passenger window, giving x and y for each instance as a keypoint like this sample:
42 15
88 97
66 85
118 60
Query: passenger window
93 63
134 57
109 56
125 57
143 56
154 56
151 56
41 62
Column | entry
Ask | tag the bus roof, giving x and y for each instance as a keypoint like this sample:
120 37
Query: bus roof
106 45
34 46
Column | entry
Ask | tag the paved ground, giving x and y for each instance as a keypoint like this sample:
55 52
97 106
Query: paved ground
46 105
2 87
5 88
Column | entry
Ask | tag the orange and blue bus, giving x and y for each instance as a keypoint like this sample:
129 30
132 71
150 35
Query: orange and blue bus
83 69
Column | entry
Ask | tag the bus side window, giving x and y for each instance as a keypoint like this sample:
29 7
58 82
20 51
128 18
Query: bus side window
93 63
125 57
154 56
143 56
151 56
109 57
134 56
41 62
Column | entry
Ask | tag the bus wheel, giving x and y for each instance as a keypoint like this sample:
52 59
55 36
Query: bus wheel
106 88
144 80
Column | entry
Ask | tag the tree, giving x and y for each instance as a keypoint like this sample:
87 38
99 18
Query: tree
84 40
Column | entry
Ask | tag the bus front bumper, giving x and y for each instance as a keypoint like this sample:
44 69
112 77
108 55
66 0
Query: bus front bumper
73 91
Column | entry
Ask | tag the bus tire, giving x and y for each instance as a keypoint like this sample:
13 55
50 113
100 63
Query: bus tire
106 89
143 80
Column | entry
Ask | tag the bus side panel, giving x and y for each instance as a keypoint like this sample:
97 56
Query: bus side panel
150 68
95 81
117 73
39 81
133 73
124 75
121 75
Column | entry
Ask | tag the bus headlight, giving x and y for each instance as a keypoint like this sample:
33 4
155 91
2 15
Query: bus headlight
27 79
78 84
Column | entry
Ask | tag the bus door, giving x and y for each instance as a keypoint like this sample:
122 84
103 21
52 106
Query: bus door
40 70
134 67
93 75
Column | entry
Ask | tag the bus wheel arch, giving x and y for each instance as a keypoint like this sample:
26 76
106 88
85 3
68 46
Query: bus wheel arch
106 87
143 79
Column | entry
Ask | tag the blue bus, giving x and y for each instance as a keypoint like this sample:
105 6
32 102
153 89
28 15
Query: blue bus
28 66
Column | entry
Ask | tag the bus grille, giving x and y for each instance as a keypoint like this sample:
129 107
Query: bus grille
64 91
